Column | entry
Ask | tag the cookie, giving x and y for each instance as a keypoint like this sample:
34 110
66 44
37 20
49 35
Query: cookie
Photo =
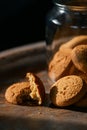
37 87
67 90
79 57
60 64
77 40
31 92
18 93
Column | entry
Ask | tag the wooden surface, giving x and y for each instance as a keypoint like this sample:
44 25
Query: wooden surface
14 64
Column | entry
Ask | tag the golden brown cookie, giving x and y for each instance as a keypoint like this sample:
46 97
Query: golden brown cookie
37 87
31 92
18 93
60 64
67 90
79 57
77 40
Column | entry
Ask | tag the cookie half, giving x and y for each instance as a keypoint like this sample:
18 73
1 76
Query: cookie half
37 87
18 93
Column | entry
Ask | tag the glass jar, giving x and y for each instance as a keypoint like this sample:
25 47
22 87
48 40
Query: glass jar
67 20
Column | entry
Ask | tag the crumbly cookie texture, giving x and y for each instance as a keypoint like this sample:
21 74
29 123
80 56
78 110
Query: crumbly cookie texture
79 57
37 87
67 90
31 92
60 64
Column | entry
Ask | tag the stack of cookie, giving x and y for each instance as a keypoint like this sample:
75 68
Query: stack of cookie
64 61
68 70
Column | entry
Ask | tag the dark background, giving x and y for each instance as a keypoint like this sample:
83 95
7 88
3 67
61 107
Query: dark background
22 22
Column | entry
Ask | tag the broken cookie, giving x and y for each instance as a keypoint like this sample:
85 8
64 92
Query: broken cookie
31 92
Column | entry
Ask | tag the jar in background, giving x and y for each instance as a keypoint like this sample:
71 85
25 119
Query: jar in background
67 20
